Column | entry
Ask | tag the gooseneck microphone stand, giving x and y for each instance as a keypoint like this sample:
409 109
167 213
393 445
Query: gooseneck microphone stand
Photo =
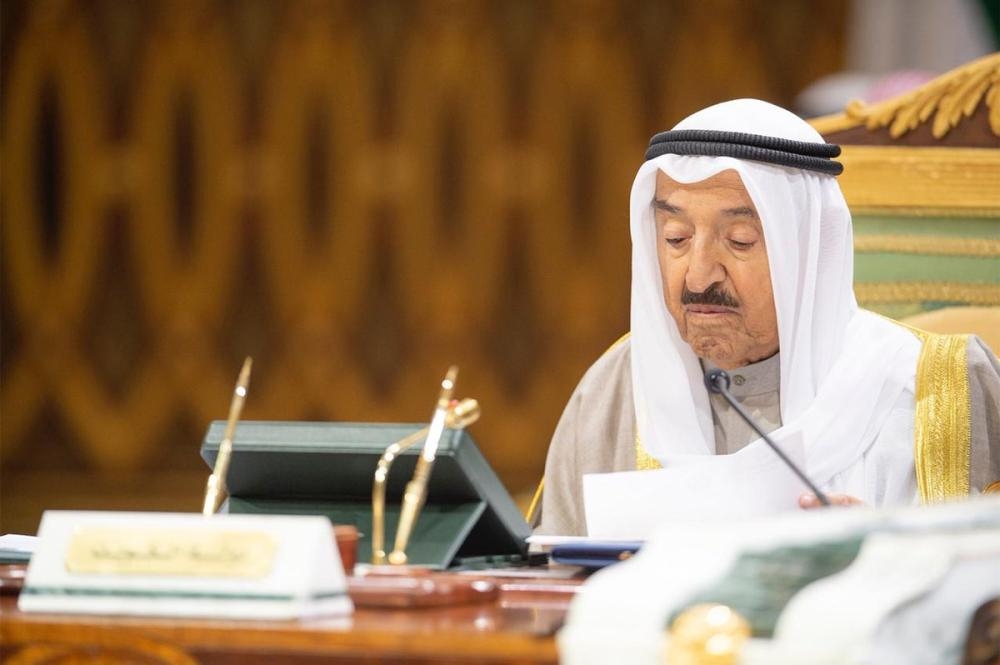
717 381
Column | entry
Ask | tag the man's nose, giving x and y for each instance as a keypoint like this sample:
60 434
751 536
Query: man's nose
705 268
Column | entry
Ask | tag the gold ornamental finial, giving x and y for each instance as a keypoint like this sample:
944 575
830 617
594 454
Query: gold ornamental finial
708 634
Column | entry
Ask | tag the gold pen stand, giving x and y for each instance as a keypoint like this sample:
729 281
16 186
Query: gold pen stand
459 416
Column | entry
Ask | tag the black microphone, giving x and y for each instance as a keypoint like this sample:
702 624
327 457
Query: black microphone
717 381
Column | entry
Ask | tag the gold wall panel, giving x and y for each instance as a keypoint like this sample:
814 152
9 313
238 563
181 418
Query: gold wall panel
355 193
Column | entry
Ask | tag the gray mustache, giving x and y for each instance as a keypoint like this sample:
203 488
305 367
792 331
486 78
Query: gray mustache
713 295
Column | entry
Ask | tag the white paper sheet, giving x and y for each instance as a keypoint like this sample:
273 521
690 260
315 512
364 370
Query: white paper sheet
18 543
750 483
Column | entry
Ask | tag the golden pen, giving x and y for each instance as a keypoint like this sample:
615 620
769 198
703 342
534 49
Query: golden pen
215 490
416 489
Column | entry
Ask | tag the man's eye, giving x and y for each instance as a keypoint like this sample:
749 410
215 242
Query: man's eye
737 244
675 242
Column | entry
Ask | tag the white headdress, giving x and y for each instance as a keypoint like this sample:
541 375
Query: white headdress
842 369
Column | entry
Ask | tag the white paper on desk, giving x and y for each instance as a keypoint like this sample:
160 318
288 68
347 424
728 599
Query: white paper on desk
18 543
749 483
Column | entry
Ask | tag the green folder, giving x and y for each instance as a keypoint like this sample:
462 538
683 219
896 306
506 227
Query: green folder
303 468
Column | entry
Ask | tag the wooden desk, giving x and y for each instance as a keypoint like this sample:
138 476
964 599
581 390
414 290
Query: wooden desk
517 628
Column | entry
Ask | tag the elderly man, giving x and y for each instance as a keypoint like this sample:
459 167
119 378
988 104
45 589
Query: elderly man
742 259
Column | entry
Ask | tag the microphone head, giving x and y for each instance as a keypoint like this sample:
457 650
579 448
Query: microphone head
716 380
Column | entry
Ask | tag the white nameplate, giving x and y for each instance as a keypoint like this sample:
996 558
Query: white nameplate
185 564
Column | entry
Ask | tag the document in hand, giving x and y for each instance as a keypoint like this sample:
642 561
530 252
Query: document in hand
750 483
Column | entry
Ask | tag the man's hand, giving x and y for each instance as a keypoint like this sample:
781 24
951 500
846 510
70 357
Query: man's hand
808 500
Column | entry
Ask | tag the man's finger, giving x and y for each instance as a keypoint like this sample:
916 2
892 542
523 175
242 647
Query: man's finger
808 500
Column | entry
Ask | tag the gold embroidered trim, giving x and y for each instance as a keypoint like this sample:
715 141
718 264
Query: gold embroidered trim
942 435
618 342
886 292
536 503
643 460
935 245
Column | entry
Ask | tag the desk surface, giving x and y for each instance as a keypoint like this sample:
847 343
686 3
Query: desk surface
518 627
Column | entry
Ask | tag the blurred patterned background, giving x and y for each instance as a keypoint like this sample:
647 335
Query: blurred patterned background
356 193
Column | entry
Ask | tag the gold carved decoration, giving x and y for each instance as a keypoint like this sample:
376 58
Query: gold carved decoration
958 292
948 98
921 181
937 245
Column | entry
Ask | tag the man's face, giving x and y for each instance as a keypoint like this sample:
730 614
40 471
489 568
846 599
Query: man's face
713 263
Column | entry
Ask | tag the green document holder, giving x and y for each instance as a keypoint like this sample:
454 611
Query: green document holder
299 468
